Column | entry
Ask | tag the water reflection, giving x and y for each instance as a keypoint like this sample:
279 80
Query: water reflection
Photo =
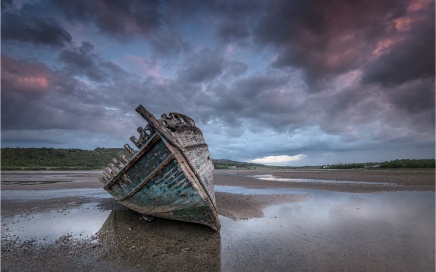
328 231
50 194
80 222
163 245
269 177
335 231
123 236
251 191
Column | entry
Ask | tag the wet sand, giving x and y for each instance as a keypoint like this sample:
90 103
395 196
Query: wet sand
314 220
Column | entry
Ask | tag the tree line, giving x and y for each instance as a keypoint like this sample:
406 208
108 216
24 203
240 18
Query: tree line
56 158
78 159
405 163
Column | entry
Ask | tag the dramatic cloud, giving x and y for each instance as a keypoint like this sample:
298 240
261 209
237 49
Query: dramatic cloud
337 81
21 77
415 33
6 4
123 20
204 66
326 39
84 61
33 30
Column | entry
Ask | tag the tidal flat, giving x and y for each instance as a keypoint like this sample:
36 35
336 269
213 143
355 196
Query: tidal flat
272 220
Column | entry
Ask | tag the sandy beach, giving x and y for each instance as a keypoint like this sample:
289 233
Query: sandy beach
272 220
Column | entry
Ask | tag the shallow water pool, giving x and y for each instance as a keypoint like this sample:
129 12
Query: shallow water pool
330 231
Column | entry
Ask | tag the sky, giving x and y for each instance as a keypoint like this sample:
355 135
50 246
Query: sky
275 82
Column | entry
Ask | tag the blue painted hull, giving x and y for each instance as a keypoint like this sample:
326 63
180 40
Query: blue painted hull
166 178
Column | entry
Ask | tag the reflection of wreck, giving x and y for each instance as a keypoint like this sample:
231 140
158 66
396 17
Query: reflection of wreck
159 246
170 176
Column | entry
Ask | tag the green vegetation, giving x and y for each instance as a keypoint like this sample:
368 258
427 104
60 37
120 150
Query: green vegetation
77 159
408 164
228 164
429 163
352 165
56 159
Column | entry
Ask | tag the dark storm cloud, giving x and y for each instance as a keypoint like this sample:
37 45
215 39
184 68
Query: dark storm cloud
411 58
126 21
230 21
23 85
407 107
233 31
161 98
202 66
413 97
219 9
169 43
253 86
25 77
259 77
237 68
121 19
35 97
323 38
6 4
33 30
157 20
85 61
259 100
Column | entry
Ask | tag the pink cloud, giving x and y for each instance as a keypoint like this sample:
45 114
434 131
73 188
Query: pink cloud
417 5
25 76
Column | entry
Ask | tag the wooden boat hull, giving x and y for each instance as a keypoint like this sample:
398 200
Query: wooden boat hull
166 177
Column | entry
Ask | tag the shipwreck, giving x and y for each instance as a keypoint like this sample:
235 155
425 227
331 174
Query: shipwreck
168 175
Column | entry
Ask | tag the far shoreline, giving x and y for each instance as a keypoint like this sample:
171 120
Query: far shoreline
411 179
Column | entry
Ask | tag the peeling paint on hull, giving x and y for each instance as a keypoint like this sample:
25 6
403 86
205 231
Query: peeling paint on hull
169 176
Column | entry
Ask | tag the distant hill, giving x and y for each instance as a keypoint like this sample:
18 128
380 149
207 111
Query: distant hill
78 159
424 163
229 164
56 159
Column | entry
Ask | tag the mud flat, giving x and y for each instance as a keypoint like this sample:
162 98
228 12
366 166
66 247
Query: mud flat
288 220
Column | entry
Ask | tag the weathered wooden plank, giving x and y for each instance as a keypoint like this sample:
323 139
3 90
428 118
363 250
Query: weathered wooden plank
171 176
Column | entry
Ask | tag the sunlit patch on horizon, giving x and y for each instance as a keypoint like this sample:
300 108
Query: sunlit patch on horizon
279 159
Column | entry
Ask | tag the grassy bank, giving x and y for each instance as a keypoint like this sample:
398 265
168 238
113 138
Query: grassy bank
78 159
56 159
